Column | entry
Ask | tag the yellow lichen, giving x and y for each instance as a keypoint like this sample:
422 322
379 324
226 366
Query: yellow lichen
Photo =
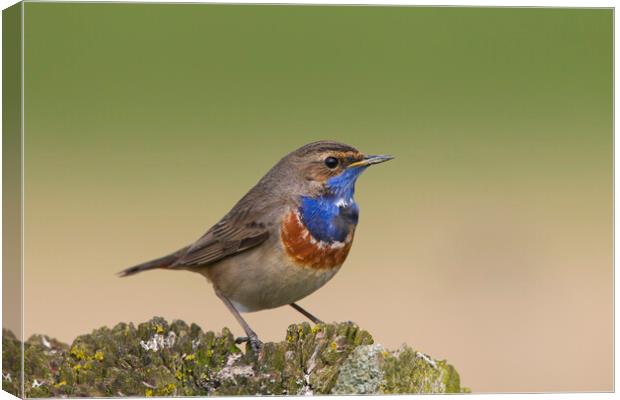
61 383
159 329
99 355
78 352
167 390
148 392
191 357
333 345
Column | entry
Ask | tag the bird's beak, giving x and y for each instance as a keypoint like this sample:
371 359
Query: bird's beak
369 160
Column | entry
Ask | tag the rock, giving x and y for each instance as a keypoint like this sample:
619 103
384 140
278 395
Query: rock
362 371
161 359
11 363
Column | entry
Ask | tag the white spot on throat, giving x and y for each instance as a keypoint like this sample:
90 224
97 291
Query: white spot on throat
342 202
319 243
323 245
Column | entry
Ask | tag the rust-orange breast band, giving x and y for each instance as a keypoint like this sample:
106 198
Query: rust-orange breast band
307 251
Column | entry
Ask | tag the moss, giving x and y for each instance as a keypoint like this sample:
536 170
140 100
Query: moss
410 371
157 358
11 363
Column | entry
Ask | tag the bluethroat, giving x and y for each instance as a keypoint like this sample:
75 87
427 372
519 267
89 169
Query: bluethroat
285 238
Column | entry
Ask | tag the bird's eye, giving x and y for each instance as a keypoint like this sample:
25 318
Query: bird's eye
331 162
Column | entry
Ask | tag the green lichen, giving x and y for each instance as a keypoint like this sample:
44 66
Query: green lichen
157 358
409 371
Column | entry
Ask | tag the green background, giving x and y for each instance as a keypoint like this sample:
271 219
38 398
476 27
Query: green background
487 238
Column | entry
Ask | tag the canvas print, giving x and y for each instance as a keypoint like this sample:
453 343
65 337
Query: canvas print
233 199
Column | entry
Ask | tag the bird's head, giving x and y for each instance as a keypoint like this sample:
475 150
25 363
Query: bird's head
331 168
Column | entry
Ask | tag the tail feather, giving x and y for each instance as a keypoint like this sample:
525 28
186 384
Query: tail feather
162 262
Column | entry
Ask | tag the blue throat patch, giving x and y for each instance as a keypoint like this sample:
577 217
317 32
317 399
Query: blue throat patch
330 217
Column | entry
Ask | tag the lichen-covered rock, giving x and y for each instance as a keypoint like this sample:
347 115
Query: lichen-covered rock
362 372
161 359
409 371
43 359
11 363
371 369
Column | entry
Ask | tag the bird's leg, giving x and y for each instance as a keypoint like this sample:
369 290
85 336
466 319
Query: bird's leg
306 313
252 337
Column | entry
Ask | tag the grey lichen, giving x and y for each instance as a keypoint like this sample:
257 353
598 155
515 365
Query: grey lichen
161 359
362 372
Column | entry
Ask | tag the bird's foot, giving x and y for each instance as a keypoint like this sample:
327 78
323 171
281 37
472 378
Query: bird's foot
242 339
254 342
256 345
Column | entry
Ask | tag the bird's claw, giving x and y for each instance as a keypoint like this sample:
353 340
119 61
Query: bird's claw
255 343
241 339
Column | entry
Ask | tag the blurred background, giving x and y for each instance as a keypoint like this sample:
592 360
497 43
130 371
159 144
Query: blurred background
487 241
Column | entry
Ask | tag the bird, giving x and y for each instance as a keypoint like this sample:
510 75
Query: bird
285 238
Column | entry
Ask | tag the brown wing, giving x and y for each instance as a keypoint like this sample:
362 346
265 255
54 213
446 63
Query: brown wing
233 234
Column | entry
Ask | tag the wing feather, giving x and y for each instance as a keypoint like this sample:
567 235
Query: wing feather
236 232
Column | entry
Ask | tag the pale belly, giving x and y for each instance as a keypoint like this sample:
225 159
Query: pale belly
258 279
